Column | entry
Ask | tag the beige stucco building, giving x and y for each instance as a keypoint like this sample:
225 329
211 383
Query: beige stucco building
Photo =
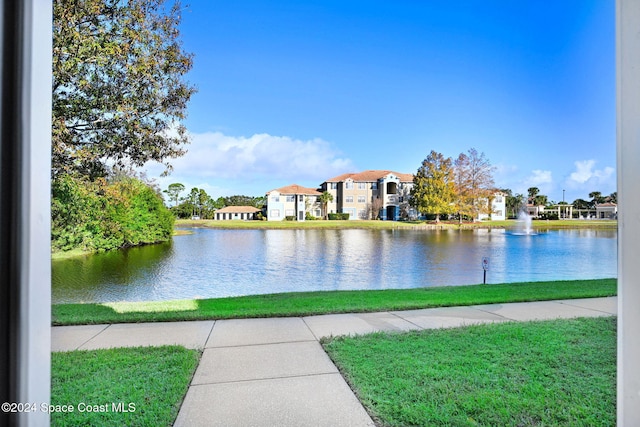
369 194
293 201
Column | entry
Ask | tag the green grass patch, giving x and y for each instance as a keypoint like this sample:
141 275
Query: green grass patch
296 225
388 225
149 382
323 302
548 373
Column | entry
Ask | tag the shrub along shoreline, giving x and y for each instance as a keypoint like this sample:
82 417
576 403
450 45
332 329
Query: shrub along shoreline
325 302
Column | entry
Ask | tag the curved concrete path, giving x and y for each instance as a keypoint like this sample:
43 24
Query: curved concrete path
274 372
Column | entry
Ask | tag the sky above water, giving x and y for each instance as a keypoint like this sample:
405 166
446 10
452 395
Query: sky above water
302 91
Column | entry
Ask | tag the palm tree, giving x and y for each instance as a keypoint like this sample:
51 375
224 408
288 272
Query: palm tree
324 199
596 197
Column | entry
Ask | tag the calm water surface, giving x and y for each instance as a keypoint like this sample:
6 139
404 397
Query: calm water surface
220 263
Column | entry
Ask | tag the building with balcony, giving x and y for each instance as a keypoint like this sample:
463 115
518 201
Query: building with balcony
370 194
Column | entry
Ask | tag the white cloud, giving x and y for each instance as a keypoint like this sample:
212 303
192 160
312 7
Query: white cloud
584 175
539 178
215 155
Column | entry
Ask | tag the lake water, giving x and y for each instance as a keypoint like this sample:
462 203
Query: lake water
220 263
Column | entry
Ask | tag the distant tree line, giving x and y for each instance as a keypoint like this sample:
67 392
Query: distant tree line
517 202
463 187
198 203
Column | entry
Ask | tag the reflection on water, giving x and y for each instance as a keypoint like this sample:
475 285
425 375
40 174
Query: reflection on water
219 263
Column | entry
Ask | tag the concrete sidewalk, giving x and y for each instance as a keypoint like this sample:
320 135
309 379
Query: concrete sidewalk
274 372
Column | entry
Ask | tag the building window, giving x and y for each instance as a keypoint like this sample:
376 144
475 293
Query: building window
374 186
291 198
275 199
349 185
362 186
317 212
362 214
498 199
289 212
334 185
275 213
348 199
361 199
301 198
498 213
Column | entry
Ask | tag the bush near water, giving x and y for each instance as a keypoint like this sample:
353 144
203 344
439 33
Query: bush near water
102 215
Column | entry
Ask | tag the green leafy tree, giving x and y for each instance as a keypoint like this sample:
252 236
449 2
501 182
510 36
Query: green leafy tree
541 200
202 201
119 92
613 197
514 204
532 193
596 198
173 192
324 200
105 214
192 199
580 204
219 203
433 189
241 200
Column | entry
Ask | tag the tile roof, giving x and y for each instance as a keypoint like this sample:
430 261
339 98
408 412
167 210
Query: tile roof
238 209
371 175
296 189
340 177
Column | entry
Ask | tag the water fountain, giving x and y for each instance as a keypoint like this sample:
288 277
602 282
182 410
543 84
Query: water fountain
523 225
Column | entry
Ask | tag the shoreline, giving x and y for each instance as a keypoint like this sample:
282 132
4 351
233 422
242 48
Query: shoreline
393 225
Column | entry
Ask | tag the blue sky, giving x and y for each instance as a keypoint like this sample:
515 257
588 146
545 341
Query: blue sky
301 91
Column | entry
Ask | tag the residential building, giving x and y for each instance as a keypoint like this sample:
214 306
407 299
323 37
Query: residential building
370 194
607 211
293 201
237 212
535 210
498 208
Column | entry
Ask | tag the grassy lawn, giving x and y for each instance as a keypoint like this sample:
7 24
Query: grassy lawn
550 373
278 225
310 303
383 225
149 382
